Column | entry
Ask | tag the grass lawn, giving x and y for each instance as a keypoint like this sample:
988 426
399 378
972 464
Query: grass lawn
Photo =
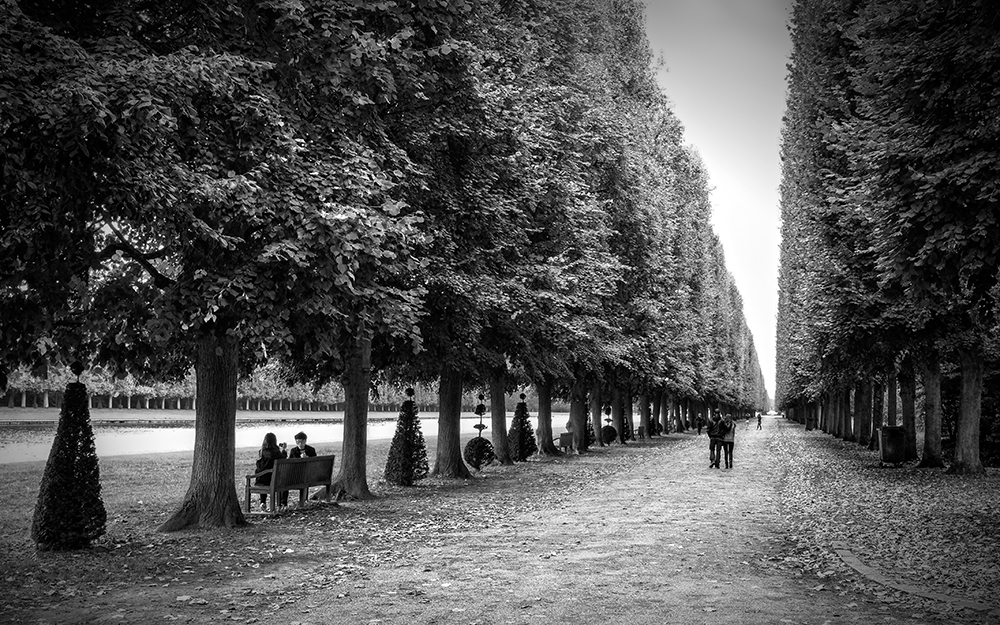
140 492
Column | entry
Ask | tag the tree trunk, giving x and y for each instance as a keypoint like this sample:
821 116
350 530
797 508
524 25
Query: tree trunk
596 416
498 416
352 480
654 416
891 391
449 462
863 419
578 413
679 416
878 405
211 499
851 416
644 413
838 414
628 417
666 408
967 460
617 413
908 406
546 446
932 455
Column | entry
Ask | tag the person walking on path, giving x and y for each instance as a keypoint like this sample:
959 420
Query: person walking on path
701 424
728 440
715 433
758 421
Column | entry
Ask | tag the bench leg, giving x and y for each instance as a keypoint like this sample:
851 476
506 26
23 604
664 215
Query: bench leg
303 496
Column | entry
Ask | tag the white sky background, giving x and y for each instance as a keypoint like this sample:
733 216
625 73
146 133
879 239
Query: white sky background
723 69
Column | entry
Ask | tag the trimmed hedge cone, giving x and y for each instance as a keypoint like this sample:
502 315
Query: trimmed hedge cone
407 460
70 513
521 436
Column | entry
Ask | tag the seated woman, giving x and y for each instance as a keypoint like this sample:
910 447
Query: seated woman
269 452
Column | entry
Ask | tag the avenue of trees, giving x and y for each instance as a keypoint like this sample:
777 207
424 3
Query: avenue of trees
470 194
267 388
891 225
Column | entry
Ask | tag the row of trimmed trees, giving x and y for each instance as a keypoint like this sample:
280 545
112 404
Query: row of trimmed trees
474 193
267 388
891 220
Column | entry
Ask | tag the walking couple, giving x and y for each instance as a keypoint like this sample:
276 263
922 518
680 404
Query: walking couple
721 439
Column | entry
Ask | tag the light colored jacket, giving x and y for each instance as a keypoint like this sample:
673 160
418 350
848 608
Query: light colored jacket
730 435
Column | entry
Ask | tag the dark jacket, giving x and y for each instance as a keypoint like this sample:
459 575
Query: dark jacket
308 452
717 428
265 461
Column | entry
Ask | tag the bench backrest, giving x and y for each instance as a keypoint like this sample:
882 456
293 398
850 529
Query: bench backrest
295 472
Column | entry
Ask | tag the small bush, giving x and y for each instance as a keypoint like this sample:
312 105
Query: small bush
70 513
407 459
478 452
521 437
609 434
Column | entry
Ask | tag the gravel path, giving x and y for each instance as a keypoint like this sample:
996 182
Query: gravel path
642 533
660 539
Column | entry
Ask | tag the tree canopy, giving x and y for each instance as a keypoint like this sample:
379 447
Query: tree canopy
461 188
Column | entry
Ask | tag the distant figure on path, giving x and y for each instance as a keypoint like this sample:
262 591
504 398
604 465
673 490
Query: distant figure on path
758 421
728 440
269 452
701 424
714 441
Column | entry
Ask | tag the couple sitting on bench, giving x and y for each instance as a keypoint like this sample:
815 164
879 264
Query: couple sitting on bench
270 451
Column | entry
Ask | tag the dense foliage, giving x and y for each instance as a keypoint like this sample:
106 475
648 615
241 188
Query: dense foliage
69 513
891 226
436 192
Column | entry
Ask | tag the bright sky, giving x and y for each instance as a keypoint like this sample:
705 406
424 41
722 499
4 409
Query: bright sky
724 71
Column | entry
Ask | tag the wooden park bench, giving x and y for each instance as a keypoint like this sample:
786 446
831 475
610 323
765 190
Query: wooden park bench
566 441
291 474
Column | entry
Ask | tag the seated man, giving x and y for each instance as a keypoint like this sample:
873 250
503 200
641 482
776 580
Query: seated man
301 450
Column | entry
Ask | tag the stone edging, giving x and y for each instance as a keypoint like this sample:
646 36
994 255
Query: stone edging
852 561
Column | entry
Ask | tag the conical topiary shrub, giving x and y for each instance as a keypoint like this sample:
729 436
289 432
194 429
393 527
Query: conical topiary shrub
521 436
407 460
70 513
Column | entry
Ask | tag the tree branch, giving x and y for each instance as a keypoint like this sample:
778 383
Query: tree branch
123 245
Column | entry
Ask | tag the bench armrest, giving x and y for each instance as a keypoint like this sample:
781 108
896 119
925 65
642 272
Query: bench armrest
264 472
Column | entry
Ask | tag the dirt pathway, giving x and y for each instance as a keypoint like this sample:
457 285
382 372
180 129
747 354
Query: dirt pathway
644 533
666 541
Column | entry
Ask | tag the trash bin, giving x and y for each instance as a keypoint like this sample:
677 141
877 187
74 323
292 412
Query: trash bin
892 442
